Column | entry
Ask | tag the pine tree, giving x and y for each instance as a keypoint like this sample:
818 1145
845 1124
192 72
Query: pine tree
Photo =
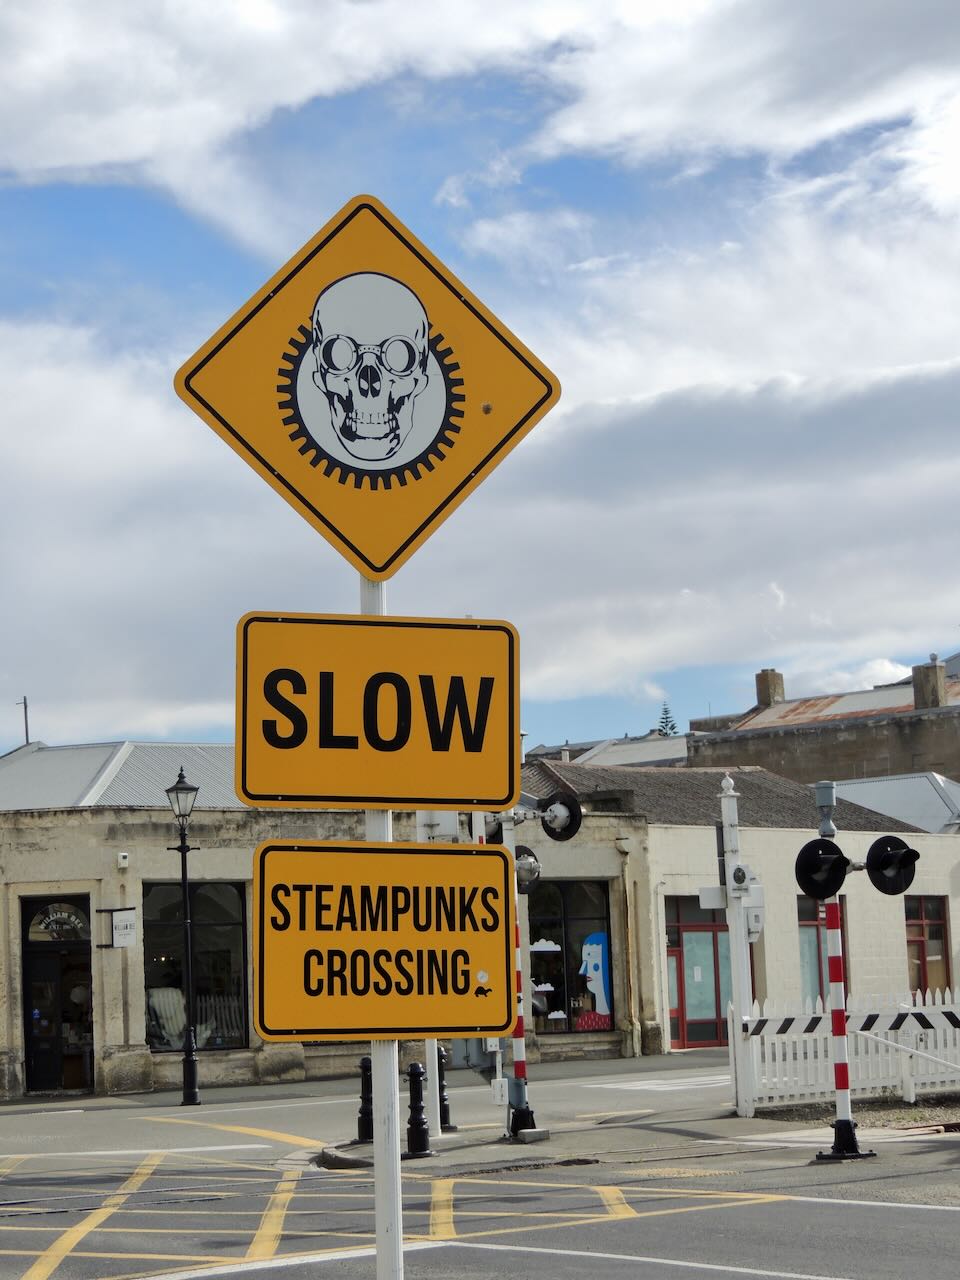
667 727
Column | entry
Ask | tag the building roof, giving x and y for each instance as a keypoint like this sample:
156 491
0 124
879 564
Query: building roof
690 797
894 699
652 749
115 774
927 800
556 751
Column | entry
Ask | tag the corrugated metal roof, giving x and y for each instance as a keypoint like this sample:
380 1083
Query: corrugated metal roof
115 774
650 750
886 700
151 767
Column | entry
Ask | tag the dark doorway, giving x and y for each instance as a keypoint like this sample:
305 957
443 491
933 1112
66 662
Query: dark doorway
57 994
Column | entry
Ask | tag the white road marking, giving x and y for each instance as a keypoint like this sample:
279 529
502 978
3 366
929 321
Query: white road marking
132 1151
871 1204
668 1084
240 1268
824 1138
689 1264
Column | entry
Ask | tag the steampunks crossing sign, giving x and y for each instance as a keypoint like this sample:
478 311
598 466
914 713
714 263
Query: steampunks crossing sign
368 387
359 941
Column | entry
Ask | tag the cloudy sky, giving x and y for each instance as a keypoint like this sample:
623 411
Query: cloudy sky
732 229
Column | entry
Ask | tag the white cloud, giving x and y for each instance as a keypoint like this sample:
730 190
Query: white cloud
807 299
765 76
111 83
807 681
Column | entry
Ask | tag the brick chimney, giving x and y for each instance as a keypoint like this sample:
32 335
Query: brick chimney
930 684
769 687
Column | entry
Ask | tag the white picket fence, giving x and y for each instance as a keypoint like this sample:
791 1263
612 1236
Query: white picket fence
896 1045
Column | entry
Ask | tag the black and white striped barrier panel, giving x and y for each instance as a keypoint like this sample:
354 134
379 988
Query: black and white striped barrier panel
807 1024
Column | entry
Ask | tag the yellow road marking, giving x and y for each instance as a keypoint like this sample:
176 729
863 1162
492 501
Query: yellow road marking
441 1210
270 1230
291 1139
51 1258
9 1163
617 1206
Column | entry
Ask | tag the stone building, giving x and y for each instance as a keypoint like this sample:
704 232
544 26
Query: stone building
910 727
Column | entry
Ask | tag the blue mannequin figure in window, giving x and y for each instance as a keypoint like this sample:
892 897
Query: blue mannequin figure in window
596 970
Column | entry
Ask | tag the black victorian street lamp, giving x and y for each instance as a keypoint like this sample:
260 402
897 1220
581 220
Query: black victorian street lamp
181 796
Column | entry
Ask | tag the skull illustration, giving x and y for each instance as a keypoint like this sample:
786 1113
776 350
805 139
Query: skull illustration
371 348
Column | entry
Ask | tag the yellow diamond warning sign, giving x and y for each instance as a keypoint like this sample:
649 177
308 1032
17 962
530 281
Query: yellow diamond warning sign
368 386
358 941
339 710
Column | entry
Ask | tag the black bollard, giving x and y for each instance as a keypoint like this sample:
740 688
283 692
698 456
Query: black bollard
365 1114
445 1125
418 1131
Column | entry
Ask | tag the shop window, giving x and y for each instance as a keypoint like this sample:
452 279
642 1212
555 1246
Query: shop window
928 957
812 922
218 935
570 956
698 973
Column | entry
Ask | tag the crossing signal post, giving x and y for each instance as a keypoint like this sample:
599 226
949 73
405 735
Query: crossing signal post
821 869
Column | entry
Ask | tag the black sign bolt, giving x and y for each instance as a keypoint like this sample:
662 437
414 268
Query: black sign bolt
445 1125
365 1114
418 1130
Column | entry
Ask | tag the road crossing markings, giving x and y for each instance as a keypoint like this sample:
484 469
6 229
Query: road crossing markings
601 1115
51 1258
687 1264
289 1139
445 1211
667 1084
133 1151
617 1206
441 1209
270 1231
240 1268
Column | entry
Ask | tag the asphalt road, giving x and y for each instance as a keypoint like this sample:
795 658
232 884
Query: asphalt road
646 1174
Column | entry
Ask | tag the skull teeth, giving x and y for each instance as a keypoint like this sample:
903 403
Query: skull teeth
374 425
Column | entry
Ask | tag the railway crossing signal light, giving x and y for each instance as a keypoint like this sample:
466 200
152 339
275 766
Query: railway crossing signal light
561 816
891 865
821 869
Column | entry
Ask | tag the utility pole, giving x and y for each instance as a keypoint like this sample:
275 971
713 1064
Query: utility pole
26 722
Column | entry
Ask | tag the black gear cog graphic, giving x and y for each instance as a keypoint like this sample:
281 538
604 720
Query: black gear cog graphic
383 478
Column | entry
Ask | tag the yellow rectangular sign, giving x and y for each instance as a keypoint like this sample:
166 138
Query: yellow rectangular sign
339 711
358 941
